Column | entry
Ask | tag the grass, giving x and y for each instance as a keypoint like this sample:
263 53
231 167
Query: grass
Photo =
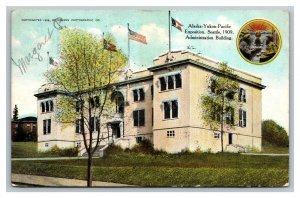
226 170
30 149
24 149
269 148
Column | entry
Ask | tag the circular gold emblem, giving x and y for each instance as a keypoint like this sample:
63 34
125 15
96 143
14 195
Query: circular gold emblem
259 41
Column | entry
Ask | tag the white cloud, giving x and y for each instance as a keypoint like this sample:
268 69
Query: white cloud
154 33
179 42
95 31
119 30
15 42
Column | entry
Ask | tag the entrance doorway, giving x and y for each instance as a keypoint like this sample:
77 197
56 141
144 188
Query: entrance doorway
116 132
230 138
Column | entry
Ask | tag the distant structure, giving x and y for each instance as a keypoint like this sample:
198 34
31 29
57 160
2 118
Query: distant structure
24 129
161 104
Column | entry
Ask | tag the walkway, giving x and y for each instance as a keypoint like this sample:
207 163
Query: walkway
58 182
47 158
266 154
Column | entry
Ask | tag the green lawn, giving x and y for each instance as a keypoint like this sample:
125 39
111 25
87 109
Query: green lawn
269 148
226 170
30 149
24 149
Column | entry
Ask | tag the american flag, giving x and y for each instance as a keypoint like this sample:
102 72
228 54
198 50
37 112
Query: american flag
137 37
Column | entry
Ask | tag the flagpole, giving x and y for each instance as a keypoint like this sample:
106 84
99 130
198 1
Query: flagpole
169 32
128 61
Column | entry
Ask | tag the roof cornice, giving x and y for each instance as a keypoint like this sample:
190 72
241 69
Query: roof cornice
204 66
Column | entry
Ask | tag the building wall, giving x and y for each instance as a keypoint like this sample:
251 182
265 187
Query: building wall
190 131
249 137
179 125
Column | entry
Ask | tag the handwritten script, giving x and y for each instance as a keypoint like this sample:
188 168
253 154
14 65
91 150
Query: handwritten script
34 54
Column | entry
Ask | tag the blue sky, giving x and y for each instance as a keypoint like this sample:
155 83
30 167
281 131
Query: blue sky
154 25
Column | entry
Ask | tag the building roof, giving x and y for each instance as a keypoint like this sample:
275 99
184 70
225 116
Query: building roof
27 119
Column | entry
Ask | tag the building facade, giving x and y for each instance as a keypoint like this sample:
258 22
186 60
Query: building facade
24 129
161 104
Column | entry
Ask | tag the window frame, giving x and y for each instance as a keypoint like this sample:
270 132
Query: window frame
47 125
242 95
242 118
47 106
140 94
170 103
137 121
171 134
166 78
217 135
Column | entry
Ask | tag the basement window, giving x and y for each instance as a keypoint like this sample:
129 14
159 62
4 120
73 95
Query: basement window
217 135
170 133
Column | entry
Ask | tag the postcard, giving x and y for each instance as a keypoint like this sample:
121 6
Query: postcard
132 98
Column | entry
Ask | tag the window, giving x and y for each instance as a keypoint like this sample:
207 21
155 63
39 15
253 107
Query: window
170 109
119 104
95 124
96 101
92 102
43 107
139 139
51 105
152 120
167 110
47 106
151 87
47 126
229 116
170 82
178 80
163 85
139 118
79 125
217 135
78 144
230 95
242 95
46 144
230 138
242 118
170 133
138 95
213 86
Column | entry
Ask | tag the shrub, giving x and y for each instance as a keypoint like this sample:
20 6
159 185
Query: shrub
62 152
274 134
145 146
114 149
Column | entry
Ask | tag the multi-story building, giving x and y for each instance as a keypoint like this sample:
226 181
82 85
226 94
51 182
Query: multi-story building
162 104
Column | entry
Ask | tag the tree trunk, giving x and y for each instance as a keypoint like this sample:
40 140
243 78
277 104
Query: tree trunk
222 142
89 170
222 122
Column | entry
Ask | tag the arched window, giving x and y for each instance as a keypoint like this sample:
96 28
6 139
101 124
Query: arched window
43 106
118 98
